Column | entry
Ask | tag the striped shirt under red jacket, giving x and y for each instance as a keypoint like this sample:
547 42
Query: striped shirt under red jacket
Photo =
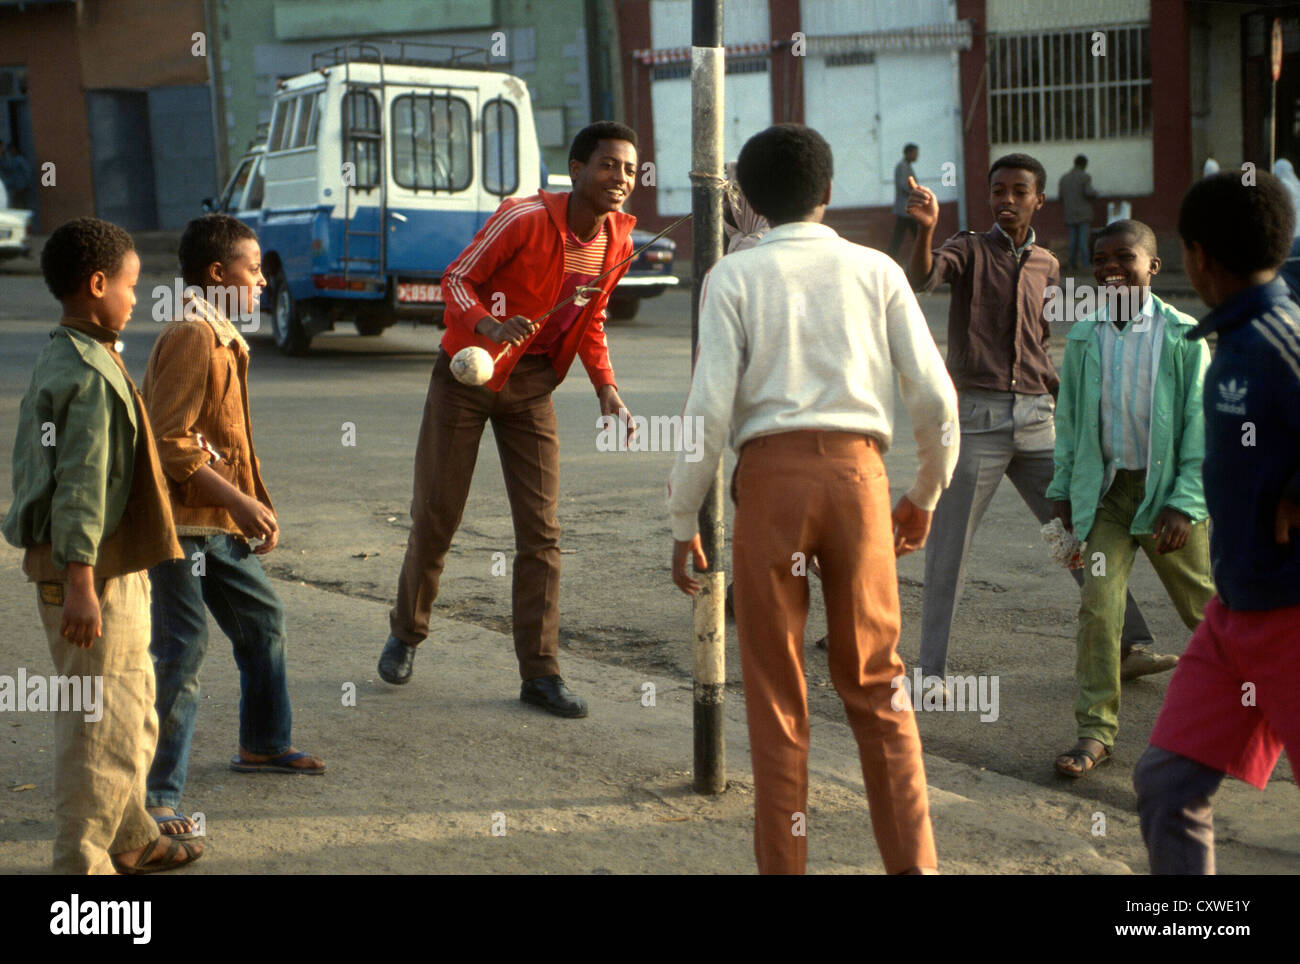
515 266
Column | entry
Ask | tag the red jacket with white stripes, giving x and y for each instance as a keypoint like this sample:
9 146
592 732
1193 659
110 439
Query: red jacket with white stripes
515 266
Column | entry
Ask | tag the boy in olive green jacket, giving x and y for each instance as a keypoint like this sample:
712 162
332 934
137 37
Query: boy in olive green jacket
1130 439
90 507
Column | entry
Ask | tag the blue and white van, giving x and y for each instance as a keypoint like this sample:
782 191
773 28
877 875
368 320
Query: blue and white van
377 171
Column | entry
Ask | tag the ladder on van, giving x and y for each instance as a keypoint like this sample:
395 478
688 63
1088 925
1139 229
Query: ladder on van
407 52
419 54
372 133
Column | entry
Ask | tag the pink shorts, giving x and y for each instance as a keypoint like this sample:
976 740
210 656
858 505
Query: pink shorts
1232 703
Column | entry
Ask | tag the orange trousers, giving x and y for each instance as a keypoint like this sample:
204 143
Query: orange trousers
825 494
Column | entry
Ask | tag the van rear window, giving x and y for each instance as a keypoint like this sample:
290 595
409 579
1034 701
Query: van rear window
431 142
362 138
295 122
500 147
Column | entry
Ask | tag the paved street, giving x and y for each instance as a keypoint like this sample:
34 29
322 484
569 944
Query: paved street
343 514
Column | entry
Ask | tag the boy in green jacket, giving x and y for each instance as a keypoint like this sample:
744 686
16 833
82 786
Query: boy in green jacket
91 509
1130 438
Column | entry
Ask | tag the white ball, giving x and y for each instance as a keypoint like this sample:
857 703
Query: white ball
471 366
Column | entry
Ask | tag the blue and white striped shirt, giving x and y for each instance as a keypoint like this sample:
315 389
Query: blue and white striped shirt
1127 363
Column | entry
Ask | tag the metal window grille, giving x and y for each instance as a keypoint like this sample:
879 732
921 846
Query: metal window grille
853 58
362 136
670 71
500 147
1051 87
747 65
431 146
735 65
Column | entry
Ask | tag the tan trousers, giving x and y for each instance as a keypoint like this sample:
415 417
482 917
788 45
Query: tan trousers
824 494
100 767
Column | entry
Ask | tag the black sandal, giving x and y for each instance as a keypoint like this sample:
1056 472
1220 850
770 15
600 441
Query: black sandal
1078 754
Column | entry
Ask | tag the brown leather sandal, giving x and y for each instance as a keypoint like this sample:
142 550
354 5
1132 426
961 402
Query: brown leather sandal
170 860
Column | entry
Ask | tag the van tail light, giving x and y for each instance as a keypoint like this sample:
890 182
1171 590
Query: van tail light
336 282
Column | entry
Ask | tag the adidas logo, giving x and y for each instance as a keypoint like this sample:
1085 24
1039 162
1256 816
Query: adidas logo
1232 397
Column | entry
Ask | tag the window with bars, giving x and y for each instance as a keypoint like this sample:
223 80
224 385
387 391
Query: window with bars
500 147
431 142
735 65
1051 87
853 58
362 137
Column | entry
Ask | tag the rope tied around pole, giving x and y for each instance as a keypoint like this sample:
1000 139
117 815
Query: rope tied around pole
708 178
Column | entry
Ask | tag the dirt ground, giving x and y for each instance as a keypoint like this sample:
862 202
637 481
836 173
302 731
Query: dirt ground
433 762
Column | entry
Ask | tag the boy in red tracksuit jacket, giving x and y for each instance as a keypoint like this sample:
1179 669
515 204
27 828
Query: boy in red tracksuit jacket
532 254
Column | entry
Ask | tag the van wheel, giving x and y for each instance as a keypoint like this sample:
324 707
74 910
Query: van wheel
286 324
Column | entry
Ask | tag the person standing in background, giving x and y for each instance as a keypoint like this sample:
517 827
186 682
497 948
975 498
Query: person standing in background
904 224
1077 196
16 174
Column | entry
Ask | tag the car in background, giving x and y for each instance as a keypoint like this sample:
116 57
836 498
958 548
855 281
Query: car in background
15 224
649 275
242 195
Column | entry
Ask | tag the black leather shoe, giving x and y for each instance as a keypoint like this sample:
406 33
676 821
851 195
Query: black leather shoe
395 661
550 693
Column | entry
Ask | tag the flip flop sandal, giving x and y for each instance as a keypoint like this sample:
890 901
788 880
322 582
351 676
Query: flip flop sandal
1078 754
170 860
173 817
279 764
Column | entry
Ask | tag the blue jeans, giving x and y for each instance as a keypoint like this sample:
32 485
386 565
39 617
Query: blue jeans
235 589
1080 256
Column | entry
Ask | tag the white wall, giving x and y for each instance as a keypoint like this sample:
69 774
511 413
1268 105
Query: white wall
827 17
1015 16
748 109
747 98
869 111
743 21
1120 168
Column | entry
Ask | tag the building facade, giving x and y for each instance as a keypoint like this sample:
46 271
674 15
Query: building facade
1146 89
111 105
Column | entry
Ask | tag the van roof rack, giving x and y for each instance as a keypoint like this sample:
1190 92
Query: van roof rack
410 53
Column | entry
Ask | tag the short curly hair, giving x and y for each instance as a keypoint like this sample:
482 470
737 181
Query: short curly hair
79 248
1246 228
1139 231
207 239
585 141
784 171
1022 162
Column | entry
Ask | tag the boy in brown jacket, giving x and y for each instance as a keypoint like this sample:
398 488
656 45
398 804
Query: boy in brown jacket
196 390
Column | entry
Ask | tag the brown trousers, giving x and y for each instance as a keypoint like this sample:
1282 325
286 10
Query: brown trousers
823 494
523 422
100 764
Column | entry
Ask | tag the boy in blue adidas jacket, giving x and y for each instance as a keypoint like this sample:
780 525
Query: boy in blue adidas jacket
1231 706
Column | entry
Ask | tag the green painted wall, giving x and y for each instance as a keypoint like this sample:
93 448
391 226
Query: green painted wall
546 44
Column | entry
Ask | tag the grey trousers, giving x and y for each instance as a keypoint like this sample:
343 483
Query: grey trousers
1173 799
1001 434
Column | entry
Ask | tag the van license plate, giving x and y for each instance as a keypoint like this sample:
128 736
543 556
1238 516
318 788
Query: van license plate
420 292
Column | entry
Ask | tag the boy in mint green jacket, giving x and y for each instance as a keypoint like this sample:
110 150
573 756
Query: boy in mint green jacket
1130 438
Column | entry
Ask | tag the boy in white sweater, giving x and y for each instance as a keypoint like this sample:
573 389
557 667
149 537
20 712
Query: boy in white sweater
800 337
